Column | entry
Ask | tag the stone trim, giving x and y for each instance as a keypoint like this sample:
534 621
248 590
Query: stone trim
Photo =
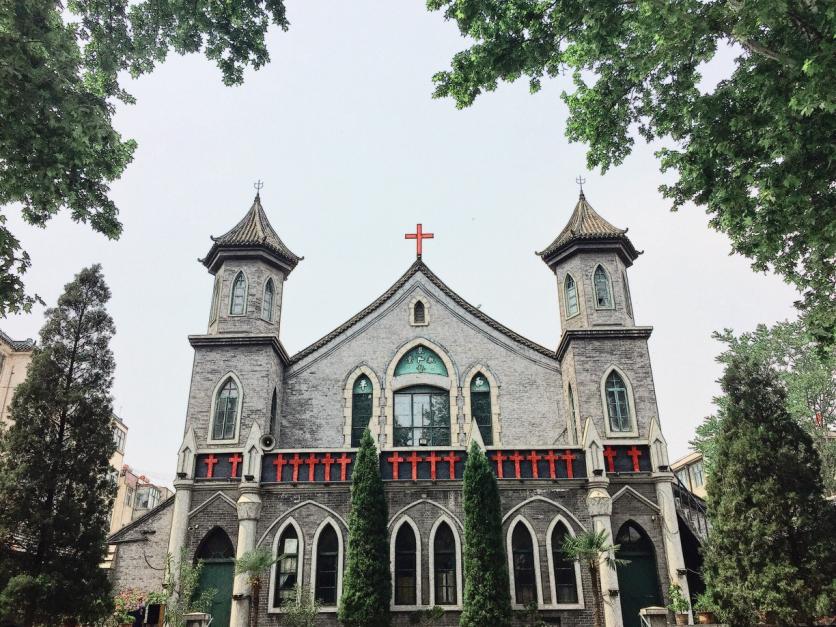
533 499
340 551
631 405
459 562
348 392
211 499
615 333
230 340
550 559
496 424
300 560
331 515
510 556
447 513
412 303
238 409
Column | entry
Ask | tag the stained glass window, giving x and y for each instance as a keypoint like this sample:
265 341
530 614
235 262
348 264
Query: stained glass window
405 566
237 303
603 290
287 568
361 408
480 407
267 301
522 550
572 307
444 561
420 360
419 313
226 406
618 406
327 558
564 568
422 417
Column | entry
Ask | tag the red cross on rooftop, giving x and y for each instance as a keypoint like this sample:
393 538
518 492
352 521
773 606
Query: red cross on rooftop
420 236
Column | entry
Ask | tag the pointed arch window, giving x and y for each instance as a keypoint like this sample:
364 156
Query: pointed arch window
628 301
274 412
419 313
216 545
216 295
287 568
572 414
603 289
480 404
405 566
226 411
267 301
566 584
327 558
238 300
522 549
361 408
444 565
618 405
571 293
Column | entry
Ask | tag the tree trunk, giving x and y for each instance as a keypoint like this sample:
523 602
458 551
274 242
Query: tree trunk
597 617
254 598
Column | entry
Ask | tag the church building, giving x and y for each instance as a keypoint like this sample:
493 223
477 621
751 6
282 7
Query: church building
572 433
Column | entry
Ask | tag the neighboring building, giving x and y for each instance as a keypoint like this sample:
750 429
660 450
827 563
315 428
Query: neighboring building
135 497
573 434
691 473
15 356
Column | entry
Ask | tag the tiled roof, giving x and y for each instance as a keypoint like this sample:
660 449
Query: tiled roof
586 224
18 345
420 266
253 231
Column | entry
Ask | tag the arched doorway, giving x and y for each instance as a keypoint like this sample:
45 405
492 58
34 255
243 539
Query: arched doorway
218 557
638 580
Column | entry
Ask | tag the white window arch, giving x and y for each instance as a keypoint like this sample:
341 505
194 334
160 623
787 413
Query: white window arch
570 296
550 553
395 566
468 384
267 300
602 288
519 559
352 385
225 412
431 548
419 312
618 403
238 295
317 571
288 566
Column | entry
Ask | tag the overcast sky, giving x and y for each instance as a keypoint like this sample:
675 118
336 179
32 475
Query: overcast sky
353 152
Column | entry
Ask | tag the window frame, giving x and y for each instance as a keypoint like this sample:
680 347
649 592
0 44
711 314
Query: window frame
631 408
340 565
568 313
628 299
393 537
457 557
611 305
300 558
209 436
416 429
573 414
412 304
216 300
490 414
269 283
538 591
240 274
579 605
354 409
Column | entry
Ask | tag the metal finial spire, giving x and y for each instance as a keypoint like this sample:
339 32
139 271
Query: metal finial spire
580 181
258 185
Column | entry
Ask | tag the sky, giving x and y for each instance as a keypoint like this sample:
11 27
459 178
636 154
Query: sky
353 152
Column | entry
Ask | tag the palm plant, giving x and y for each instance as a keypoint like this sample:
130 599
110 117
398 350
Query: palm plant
254 564
591 548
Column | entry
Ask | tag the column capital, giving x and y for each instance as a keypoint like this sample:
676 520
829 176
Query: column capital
249 503
183 484
599 502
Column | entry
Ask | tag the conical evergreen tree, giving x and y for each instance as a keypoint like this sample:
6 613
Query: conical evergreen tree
55 485
367 588
770 554
487 598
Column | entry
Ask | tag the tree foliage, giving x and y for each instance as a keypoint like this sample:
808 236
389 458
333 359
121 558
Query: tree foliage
367 588
254 564
55 482
59 80
770 553
591 549
808 376
757 150
486 586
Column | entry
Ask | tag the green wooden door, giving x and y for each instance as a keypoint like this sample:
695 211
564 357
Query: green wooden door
638 581
218 575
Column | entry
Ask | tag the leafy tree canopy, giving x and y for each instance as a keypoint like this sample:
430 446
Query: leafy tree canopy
757 150
59 79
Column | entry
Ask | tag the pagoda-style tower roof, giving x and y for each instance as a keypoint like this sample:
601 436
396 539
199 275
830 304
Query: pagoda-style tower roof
252 236
588 231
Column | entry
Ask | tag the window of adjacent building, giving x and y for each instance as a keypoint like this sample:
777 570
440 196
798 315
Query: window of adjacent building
522 550
682 475
226 411
267 301
627 300
618 406
419 313
147 497
603 289
327 558
361 408
480 407
238 300
274 412
216 295
287 568
573 419
422 417
566 586
697 474
571 293
405 566
444 561
129 496
119 439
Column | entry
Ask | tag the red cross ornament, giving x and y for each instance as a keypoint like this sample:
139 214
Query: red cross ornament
210 465
609 453
296 462
498 457
433 459
420 236
415 459
234 460
279 463
516 458
451 458
551 458
635 454
327 462
311 461
534 458
395 459
343 461
568 457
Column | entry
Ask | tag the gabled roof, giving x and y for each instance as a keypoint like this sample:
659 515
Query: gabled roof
415 268
586 225
19 346
120 534
254 232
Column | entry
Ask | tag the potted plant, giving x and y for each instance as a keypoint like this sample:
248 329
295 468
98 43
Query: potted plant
705 607
678 604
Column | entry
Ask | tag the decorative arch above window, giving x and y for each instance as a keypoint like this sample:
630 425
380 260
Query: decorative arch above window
480 407
267 301
238 296
617 397
421 360
603 288
226 410
419 312
361 407
570 292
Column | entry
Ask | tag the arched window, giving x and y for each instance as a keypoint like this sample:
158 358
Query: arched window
267 301
419 314
628 302
618 406
287 568
603 289
327 558
238 301
422 416
216 294
571 293
573 426
566 585
274 412
480 407
522 549
215 545
226 411
420 360
405 566
361 408
444 562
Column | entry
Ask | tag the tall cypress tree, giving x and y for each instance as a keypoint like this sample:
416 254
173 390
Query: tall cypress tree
487 599
770 552
368 585
55 485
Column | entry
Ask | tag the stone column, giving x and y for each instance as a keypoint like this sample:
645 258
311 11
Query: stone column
179 523
670 532
599 503
249 511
